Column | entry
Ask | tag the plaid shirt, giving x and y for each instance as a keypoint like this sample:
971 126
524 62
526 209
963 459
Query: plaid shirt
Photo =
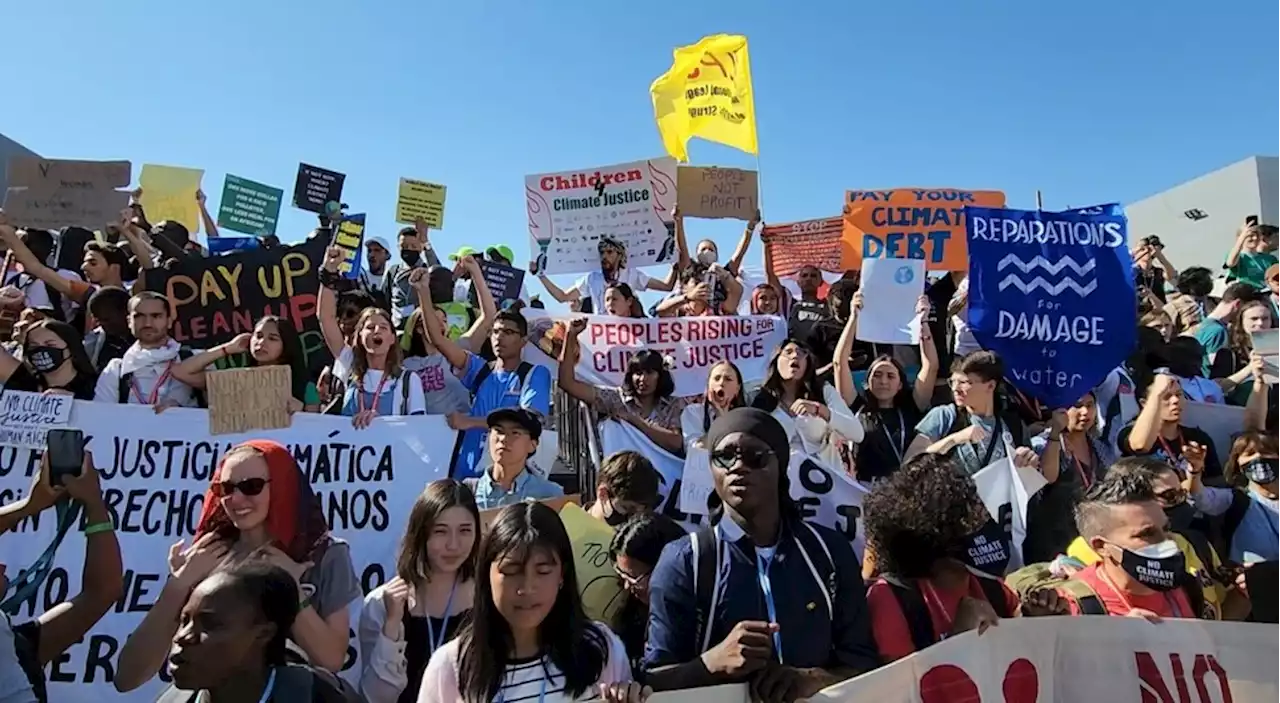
666 413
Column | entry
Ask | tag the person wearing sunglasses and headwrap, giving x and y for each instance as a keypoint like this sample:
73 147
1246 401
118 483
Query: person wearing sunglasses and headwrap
259 506
761 596
613 269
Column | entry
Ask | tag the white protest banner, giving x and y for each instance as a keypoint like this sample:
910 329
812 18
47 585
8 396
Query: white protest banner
570 211
1037 660
1221 422
692 344
25 417
828 497
155 470
890 289
1006 490
1267 344
696 484
620 436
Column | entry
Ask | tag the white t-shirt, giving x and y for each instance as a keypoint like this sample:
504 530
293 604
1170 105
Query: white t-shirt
342 365
38 293
143 390
593 284
523 681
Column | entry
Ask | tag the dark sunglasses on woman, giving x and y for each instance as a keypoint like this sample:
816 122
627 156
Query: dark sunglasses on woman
248 487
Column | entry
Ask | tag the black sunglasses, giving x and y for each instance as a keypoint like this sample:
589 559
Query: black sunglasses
751 458
248 487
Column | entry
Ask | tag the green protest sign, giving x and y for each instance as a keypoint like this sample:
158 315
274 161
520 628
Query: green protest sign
249 207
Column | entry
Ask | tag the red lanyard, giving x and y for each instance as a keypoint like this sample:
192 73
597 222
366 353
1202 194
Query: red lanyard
377 393
1173 602
1084 478
1173 458
931 597
155 390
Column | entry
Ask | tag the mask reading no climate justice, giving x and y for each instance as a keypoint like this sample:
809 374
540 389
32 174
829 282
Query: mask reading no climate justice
987 550
1156 566
46 359
1261 471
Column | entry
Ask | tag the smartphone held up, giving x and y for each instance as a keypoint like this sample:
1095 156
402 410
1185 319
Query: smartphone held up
65 451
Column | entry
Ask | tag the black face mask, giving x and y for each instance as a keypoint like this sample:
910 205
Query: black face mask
988 549
46 359
410 256
1180 516
1158 567
615 518
1261 471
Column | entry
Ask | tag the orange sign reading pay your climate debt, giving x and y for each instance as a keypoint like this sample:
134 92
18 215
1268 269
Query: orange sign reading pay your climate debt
911 223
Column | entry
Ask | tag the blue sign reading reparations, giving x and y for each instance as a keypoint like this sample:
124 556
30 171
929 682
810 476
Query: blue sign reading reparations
1052 293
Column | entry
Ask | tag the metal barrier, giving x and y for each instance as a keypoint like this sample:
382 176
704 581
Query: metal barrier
577 429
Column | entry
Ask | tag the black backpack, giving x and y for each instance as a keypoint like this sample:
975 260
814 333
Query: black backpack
126 381
335 405
706 548
916 612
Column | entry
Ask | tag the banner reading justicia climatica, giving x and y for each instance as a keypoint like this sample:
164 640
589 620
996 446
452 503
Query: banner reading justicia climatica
1052 293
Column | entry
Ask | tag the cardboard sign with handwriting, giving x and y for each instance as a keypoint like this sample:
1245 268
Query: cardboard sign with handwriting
487 516
243 400
55 193
717 193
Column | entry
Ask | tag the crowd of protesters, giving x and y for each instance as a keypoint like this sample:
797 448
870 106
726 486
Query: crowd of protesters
258 602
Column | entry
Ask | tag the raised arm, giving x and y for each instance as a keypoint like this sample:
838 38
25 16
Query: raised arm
327 305
1170 273
428 251
682 244
927 379
1233 256
31 264
1146 428
437 335
667 284
570 296
193 371
843 376
769 276
732 290
744 244
567 377
8 364
1255 411
210 224
474 338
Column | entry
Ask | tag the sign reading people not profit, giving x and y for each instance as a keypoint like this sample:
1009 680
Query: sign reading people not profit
569 212
249 207
216 298
419 199
315 187
1052 293
911 223
716 193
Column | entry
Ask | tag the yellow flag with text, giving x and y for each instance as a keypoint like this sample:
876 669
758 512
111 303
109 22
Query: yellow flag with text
707 93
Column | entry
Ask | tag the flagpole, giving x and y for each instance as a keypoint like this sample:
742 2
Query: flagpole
1039 201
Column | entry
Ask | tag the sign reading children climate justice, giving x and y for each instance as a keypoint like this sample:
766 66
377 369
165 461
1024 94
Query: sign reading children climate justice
570 211
1051 293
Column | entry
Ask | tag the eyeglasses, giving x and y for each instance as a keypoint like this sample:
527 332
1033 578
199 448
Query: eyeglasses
1172 496
750 458
628 581
248 487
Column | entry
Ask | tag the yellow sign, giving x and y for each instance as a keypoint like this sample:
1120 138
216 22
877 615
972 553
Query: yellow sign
602 595
420 199
169 193
707 93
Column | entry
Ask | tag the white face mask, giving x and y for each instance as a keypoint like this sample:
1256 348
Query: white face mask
707 257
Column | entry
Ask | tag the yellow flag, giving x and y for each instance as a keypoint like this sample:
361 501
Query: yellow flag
707 93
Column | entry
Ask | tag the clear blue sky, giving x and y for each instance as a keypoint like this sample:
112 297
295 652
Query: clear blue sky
1087 101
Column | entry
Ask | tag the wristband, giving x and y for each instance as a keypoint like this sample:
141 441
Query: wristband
99 527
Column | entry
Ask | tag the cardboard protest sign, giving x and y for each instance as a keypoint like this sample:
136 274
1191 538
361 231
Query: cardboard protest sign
570 211
216 298
25 418
243 400
169 193
911 223
805 243
420 199
54 193
504 282
315 187
602 596
350 238
249 207
1267 344
717 193
1053 294
487 516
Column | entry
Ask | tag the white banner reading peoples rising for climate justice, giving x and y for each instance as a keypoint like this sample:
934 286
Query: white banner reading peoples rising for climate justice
692 345
154 471
1041 660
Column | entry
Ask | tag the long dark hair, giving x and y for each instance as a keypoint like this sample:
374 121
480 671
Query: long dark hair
644 361
738 401
69 336
572 643
413 564
810 386
290 354
903 401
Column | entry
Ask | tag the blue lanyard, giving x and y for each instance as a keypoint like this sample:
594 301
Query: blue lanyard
766 587
542 693
444 621
271 685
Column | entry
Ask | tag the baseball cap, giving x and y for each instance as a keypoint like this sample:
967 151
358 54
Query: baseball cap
379 241
525 418
464 251
501 250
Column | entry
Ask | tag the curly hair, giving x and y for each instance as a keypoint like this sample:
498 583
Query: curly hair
921 515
